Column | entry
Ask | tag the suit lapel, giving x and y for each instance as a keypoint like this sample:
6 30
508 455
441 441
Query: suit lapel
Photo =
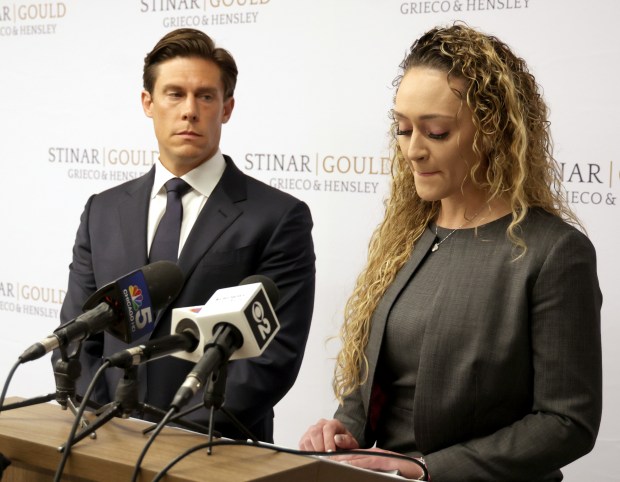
218 214
133 212
379 318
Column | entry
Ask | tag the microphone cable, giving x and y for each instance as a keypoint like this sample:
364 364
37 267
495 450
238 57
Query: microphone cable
76 421
7 382
162 473
176 417
162 423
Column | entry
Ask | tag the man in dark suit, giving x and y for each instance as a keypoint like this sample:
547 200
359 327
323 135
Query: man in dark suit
232 226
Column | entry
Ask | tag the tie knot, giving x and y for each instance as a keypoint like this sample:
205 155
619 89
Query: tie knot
178 185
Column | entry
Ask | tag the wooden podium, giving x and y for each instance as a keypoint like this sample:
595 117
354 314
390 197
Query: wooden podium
30 437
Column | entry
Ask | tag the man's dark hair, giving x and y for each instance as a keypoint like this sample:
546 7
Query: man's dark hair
188 42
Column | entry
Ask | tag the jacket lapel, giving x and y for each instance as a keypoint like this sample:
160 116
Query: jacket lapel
218 214
379 318
133 211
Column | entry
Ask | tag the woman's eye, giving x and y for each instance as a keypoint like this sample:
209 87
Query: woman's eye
438 136
403 132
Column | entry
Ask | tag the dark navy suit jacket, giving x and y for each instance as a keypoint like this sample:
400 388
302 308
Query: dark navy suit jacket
245 228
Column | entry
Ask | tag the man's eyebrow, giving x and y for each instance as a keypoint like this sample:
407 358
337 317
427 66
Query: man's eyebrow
207 88
202 90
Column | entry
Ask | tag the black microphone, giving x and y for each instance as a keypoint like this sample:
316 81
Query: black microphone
185 340
242 321
124 308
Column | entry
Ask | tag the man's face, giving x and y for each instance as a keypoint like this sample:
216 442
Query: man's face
188 109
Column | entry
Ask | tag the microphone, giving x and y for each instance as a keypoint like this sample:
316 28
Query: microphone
187 340
124 308
242 321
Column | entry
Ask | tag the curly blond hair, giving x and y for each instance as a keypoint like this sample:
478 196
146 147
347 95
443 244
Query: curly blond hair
514 148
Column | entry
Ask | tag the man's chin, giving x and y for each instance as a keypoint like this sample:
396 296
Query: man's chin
181 163
191 155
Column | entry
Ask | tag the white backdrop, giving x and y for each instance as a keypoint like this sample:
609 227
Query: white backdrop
314 89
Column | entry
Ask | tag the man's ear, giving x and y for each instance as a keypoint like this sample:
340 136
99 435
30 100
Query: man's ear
147 103
229 105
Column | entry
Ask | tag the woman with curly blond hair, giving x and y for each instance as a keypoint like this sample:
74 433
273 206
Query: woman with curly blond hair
471 342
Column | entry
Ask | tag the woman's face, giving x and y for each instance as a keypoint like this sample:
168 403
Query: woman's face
435 134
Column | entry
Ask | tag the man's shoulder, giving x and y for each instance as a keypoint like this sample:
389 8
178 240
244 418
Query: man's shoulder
258 186
131 186
260 189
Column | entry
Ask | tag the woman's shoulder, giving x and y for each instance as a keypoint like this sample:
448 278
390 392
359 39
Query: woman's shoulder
537 219
543 228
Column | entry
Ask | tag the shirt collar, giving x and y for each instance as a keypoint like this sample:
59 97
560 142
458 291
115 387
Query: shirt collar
202 178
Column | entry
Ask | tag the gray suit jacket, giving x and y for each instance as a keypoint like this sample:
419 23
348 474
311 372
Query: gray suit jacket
245 228
509 382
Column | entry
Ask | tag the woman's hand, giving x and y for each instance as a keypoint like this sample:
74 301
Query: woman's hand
332 435
327 436
410 470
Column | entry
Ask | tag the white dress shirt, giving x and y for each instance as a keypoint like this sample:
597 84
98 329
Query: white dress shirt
202 179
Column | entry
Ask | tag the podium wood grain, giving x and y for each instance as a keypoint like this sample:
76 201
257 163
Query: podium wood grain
30 437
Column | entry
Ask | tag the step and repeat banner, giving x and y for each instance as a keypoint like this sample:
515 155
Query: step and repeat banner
311 118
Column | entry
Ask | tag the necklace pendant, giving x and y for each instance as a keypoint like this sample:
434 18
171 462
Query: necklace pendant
435 247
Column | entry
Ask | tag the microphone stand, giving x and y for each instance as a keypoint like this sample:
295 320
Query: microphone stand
126 400
67 370
214 397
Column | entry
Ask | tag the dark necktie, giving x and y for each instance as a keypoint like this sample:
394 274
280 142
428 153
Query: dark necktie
165 244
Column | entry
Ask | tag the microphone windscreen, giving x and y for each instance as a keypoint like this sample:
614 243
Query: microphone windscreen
270 287
164 280
133 298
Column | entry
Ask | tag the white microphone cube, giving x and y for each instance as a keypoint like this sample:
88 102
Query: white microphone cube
246 307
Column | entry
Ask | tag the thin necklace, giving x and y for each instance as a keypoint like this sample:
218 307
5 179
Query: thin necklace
436 245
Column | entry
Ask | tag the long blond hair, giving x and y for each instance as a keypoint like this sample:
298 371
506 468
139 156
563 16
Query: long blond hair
515 163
